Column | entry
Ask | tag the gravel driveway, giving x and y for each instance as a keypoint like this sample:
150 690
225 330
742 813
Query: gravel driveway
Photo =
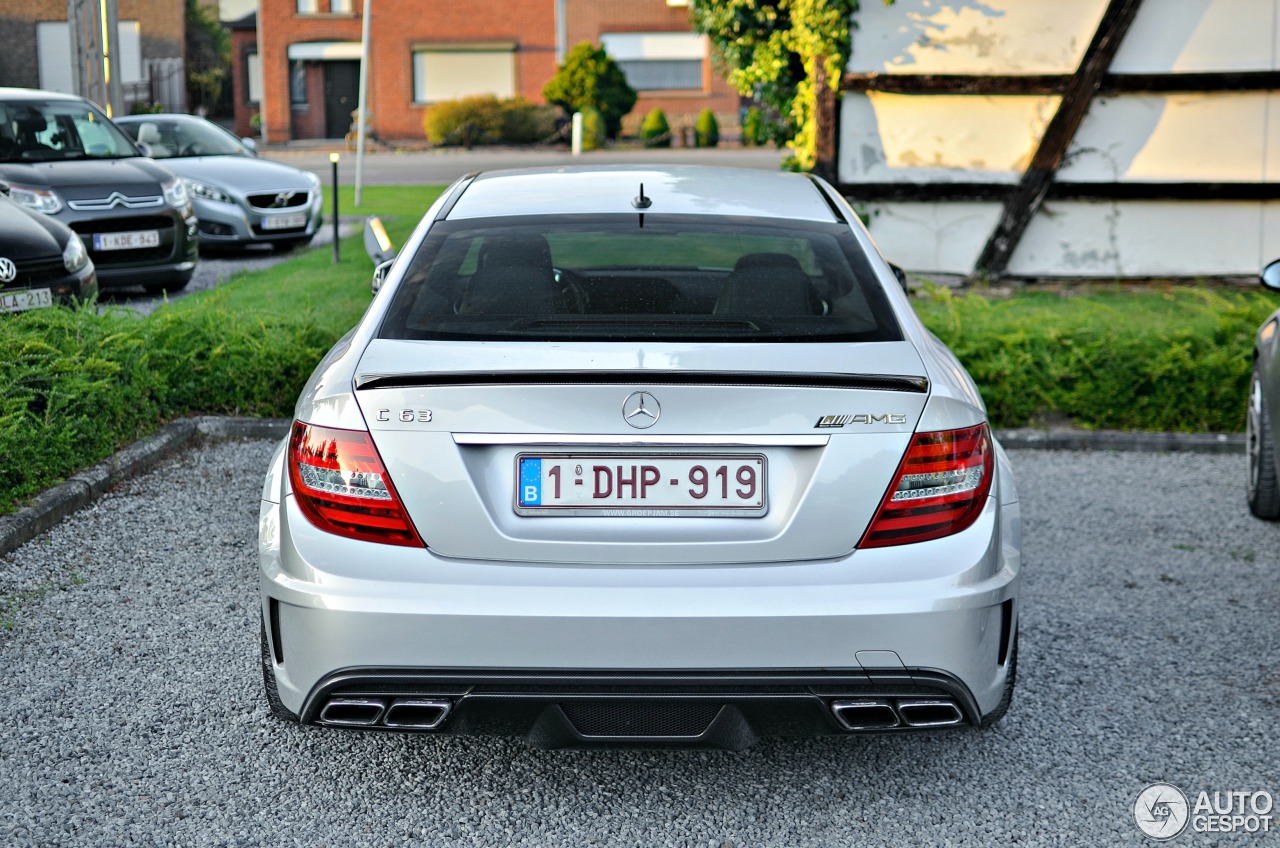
1149 640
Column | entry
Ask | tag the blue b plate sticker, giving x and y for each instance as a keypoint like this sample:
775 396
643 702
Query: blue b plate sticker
530 482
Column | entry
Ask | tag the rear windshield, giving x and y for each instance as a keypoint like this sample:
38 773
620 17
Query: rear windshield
627 278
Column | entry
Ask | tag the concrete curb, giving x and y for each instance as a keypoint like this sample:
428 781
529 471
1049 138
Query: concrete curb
79 491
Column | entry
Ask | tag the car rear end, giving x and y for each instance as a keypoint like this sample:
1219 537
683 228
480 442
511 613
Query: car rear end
705 481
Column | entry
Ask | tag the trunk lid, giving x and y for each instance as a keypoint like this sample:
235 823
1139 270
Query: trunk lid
753 462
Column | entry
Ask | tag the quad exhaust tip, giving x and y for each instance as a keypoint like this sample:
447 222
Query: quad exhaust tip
401 713
877 714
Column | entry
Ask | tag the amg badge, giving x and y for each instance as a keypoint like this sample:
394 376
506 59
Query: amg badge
836 421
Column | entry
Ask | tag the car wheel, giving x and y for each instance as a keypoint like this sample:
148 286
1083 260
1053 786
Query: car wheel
993 718
1260 447
277 707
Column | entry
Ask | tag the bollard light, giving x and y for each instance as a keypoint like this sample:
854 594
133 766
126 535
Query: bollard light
333 160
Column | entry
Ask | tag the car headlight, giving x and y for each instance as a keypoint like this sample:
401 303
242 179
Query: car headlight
175 193
40 199
313 179
75 257
207 192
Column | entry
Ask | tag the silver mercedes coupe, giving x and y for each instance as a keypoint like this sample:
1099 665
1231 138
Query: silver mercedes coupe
642 457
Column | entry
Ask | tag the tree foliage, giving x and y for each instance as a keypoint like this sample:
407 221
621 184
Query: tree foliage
208 59
589 77
772 50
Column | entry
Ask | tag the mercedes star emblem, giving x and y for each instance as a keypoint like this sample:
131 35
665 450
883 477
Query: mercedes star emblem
641 410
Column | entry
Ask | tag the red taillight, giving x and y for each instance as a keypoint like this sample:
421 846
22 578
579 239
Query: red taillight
940 488
342 487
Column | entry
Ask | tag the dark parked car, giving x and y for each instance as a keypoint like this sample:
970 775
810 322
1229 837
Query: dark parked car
63 157
41 261
1264 411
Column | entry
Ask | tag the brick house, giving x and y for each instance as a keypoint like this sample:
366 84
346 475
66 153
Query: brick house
35 47
305 81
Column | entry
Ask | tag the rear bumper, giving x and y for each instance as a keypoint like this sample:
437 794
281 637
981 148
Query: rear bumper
569 709
349 618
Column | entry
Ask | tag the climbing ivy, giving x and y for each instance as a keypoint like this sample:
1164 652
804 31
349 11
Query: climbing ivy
772 50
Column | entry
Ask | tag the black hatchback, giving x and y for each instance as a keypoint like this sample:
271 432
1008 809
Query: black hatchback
63 157
42 261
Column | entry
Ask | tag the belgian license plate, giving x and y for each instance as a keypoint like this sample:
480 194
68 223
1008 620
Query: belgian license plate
21 301
641 485
284 222
126 241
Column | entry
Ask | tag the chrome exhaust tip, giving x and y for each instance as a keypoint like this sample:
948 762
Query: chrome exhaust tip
413 714
865 715
935 713
352 712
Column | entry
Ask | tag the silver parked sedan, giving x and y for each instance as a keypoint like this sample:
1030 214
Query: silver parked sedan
239 199
625 456
1262 427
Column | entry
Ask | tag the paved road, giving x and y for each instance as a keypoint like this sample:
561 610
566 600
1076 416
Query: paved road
1151 625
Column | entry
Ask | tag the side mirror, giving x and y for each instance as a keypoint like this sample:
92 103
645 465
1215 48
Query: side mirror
1271 276
380 274
901 275
250 145
376 241
144 148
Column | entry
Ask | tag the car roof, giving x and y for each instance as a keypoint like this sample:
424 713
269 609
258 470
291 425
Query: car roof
673 189
167 116
34 94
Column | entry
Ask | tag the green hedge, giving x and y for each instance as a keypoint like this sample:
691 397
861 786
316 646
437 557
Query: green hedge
1175 359
82 385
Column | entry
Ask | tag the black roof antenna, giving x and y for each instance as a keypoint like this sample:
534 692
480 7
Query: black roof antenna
642 203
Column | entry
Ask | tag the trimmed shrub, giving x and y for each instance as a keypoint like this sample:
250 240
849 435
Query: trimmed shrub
655 131
527 123
706 129
589 77
594 132
1172 359
753 134
467 121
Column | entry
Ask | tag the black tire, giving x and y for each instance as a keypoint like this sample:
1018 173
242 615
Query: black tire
992 718
1260 451
277 707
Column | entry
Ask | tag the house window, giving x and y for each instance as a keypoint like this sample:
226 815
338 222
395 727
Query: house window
340 7
253 73
308 7
53 46
658 61
297 83
447 72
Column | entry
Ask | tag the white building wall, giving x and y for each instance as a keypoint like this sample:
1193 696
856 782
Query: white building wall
1172 138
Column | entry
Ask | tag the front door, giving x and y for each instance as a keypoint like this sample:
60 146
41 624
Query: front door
341 91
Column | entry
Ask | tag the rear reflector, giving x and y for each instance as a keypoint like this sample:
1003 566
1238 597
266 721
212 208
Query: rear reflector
940 488
342 487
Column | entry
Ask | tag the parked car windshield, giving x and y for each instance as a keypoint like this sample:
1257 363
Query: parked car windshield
53 130
175 138
640 278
